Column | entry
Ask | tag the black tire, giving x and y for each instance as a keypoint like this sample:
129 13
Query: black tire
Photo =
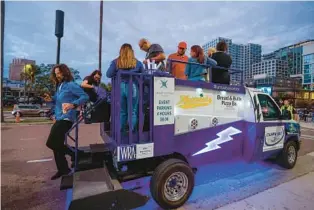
164 171
289 155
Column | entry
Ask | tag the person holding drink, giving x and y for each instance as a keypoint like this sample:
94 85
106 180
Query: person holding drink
67 98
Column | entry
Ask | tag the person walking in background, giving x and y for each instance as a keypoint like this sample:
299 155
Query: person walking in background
210 52
197 72
67 98
221 76
127 62
154 53
289 110
177 69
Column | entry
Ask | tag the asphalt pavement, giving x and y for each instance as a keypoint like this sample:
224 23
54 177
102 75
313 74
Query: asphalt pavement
27 166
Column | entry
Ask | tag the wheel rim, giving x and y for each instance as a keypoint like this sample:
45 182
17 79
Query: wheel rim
291 154
176 186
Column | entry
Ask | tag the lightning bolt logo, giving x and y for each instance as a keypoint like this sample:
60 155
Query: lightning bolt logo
223 136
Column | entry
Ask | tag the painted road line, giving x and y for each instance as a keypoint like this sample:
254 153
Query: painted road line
40 160
307 137
310 154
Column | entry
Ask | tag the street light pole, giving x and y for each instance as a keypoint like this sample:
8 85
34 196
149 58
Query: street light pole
58 50
100 34
2 42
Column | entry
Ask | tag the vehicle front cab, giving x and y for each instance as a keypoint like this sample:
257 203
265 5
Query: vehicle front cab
280 132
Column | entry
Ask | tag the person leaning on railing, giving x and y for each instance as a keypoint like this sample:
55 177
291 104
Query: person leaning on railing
198 72
224 60
127 62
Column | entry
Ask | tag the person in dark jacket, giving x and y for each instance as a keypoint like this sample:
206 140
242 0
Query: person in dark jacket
90 82
127 62
221 76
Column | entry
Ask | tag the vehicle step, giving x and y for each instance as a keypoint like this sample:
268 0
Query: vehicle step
66 182
91 182
95 189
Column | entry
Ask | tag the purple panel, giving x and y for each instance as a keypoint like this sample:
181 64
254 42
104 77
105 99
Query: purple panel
190 143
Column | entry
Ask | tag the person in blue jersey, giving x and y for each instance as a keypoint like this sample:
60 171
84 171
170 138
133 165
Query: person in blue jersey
67 98
127 62
197 72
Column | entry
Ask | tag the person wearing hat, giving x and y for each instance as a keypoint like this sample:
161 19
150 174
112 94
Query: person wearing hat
177 69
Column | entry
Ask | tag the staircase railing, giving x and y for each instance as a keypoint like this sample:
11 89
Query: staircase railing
76 127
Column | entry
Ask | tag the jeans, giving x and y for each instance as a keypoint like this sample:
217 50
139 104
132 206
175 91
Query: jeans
124 105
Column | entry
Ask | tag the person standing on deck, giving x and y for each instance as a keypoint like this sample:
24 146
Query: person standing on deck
128 63
154 53
221 76
67 98
210 52
197 72
177 69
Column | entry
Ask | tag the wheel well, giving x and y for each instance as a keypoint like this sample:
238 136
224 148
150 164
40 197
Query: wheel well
295 139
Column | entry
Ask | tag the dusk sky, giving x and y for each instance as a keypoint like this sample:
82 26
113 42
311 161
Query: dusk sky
29 27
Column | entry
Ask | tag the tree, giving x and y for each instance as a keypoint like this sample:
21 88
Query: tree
28 75
43 83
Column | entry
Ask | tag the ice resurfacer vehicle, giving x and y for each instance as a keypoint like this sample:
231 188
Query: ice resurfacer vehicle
182 125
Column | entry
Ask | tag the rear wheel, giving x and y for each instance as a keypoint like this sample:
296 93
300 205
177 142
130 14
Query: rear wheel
172 183
42 114
289 155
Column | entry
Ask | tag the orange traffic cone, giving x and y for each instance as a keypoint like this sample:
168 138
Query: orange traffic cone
17 117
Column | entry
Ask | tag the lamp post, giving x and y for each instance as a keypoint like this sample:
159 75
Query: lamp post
100 34
59 31
2 40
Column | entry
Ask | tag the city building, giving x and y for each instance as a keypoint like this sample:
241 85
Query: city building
293 54
270 68
243 56
17 66
308 67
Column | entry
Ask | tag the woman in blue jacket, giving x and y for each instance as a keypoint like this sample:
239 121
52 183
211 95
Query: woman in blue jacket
197 72
127 62
67 98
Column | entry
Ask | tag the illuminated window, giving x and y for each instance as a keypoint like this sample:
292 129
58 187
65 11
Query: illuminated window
306 95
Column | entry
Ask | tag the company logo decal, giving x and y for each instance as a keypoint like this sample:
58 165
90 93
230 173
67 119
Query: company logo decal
273 138
188 102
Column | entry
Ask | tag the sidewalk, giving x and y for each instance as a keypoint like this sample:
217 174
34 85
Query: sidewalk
309 125
296 194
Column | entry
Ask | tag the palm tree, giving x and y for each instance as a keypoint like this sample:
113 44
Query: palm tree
2 40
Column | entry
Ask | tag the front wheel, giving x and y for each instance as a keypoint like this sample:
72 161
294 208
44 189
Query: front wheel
172 183
289 155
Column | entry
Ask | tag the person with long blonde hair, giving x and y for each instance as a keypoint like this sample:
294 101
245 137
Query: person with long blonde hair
126 61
